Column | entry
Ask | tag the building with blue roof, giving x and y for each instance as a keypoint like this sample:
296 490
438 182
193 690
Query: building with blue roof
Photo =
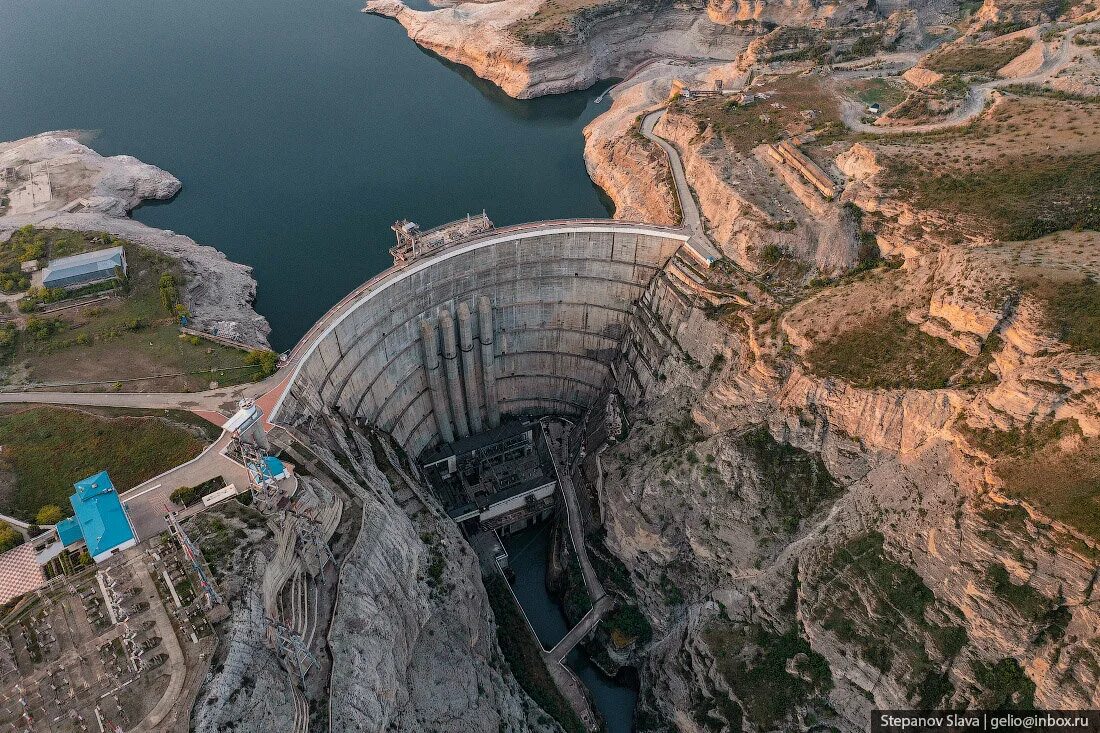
68 530
102 521
268 470
84 269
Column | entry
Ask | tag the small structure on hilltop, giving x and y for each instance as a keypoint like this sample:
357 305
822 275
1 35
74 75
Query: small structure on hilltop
100 521
88 268
413 243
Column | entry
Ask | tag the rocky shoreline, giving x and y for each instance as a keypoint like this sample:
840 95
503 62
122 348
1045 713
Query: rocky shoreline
54 180
478 35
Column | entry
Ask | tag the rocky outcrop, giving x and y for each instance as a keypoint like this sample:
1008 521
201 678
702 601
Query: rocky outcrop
249 689
413 640
480 36
700 504
632 170
53 180
744 209
55 172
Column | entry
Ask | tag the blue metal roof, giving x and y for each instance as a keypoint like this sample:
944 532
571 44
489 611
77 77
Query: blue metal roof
100 514
68 530
271 468
85 267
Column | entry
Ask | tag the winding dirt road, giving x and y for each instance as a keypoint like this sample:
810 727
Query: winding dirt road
978 96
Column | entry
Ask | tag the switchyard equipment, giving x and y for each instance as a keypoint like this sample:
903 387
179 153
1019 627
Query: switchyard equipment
192 553
292 647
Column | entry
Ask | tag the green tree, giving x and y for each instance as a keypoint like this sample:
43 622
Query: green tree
9 537
266 360
123 281
42 328
169 293
49 514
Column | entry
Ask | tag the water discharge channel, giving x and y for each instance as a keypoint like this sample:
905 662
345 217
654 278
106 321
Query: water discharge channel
529 552
301 130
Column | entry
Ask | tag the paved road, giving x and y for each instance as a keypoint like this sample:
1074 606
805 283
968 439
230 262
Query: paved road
690 217
215 400
145 503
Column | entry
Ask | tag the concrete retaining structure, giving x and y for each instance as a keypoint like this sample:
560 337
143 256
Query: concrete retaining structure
552 303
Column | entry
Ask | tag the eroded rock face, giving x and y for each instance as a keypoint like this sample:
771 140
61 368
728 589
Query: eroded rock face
632 170
839 535
250 691
56 172
412 651
53 180
478 35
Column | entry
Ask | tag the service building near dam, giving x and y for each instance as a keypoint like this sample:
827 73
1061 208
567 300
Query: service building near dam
460 348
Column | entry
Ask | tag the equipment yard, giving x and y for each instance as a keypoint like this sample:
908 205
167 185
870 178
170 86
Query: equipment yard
108 647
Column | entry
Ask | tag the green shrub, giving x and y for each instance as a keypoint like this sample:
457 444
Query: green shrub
1006 686
771 254
886 352
9 537
48 514
169 292
976 59
266 360
630 623
1028 602
42 329
8 333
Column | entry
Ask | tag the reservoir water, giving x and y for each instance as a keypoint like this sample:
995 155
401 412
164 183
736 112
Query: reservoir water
301 130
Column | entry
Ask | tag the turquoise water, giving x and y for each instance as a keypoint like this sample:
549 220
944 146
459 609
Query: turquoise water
301 130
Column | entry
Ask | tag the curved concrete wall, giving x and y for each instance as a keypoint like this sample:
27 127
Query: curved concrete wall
560 295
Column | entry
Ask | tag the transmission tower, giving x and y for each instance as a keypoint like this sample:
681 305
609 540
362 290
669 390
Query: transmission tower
292 647
191 551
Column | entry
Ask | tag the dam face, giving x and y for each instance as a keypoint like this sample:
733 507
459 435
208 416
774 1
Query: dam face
520 321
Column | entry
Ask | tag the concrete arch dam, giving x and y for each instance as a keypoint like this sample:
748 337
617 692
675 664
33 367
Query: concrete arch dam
536 319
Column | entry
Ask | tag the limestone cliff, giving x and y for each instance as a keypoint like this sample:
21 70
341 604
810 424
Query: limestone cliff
413 638
876 491
483 37
841 540
746 208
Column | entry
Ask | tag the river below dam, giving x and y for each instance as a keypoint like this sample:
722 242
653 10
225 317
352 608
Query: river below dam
301 130
528 556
